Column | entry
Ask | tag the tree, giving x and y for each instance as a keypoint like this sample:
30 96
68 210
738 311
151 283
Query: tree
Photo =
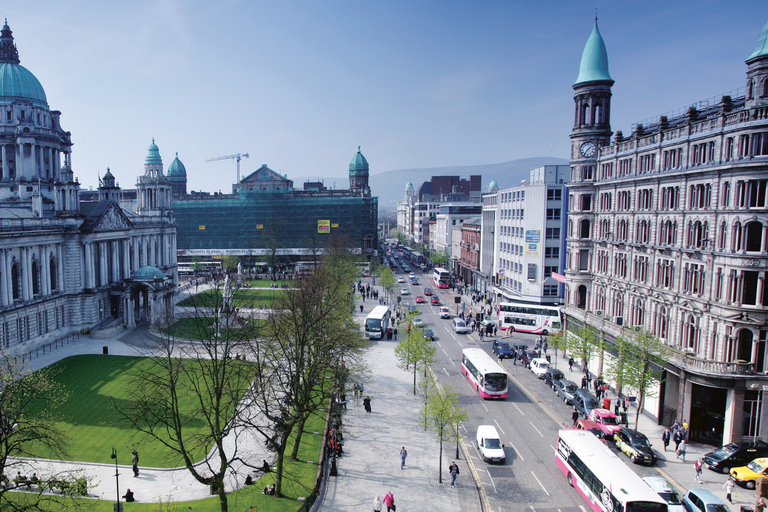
388 280
311 343
272 241
620 368
439 259
214 375
414 350
28 426
583 344
442 414
645 359
230 263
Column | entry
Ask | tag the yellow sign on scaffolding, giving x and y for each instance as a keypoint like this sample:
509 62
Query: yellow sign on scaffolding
323 226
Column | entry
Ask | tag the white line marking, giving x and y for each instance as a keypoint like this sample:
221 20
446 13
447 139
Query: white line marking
519 410
446 353
451 360
537 430
517 451
446 372
497 424
542 486
451 335
582 508
463 427
486 409
553 448
438 344
492 482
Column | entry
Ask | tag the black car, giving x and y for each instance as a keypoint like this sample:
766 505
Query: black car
526 356
429 334
503 350
584 402
519 346
635 445
552 375
734 455
566 389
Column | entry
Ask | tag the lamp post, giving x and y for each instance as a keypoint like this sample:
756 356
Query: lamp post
117 482
457 440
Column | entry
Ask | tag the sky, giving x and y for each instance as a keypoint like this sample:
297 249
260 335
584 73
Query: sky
416 83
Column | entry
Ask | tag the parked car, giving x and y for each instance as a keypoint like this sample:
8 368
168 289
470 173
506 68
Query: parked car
434 300
746 475
420 299
591 426
445 313
608 421
429 334
526 356
427 291
565 389
585 402
635 444
702 500
734 454
405 291
520 346
539 366
502 349
553 375
667 492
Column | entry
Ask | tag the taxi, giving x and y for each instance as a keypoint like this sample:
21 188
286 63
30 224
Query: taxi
746 475
635 445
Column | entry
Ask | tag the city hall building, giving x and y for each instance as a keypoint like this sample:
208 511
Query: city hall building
66 265
668 233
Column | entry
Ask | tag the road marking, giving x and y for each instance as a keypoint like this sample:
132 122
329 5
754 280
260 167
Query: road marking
446 353
534 427
553 448
582 508
492 482
486 409
497 424
519 410
438 344
542 486
446 372
517 451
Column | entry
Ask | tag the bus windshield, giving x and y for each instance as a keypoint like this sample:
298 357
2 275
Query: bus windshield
373 324
495 381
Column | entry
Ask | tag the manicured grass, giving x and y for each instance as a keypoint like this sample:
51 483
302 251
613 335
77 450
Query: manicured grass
199 328
241 298
260 283
96 385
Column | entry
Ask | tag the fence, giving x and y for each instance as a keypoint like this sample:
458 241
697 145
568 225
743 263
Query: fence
50 347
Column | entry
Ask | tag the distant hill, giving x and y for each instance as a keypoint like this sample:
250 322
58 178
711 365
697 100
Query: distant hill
389 186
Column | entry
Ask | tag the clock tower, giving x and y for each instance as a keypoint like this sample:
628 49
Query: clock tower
591 130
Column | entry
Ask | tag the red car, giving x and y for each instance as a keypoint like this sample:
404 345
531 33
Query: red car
420 299
435 300
427 291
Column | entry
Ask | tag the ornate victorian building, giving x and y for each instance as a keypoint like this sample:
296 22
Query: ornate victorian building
668 233
67 265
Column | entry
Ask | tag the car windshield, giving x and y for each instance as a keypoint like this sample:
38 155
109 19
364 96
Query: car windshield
639 442
493 444
609 420
725 451
670 497
755 466
571 388
460 323
543 364
495 381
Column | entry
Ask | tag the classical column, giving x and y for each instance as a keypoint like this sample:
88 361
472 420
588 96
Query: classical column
45 270
4 277
4 168
152 251
760 288
88 266
115 262
104 265
126 245
59 269
27 272
135 249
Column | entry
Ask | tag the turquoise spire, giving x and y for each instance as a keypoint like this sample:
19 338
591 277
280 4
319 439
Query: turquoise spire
359 165
153 155
761 47
594 60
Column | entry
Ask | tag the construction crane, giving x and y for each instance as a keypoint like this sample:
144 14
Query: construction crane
237 158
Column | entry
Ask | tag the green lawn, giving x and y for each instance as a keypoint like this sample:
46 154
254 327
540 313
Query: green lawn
194 328
96 384
241 298
260 283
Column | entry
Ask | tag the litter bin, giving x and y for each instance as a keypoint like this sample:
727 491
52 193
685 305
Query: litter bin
607 403
105 350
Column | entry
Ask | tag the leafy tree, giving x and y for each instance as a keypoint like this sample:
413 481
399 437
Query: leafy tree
439 259
583 343
413 350
388 280
621 362
230 263
197 265
442 414
396 233
216 374
645 359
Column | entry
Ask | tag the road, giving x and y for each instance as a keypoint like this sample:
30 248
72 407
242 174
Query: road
528 420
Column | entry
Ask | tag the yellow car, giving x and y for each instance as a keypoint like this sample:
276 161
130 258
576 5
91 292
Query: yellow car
746 475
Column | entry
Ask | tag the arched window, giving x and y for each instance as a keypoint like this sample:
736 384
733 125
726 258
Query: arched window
584 230
54 274
16 280
638 312
736 238
750 90
35 277
690 333
582 297
726 200
723 235
662 320
754 232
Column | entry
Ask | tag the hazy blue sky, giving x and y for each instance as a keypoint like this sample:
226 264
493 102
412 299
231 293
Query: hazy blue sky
299 85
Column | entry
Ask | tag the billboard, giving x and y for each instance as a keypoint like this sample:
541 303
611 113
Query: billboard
323 226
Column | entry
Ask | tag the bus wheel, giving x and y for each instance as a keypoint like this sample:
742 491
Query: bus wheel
545 332
570 480
511 329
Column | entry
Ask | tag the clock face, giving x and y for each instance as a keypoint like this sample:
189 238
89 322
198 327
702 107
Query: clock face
588 149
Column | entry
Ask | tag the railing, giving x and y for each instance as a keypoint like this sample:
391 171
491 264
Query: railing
49 347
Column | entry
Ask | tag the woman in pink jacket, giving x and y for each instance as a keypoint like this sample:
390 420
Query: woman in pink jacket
389 501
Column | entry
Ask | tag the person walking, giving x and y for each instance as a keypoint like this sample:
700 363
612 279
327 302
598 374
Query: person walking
377 504
728 486
403 455
677 437
453 469
389 501
575 415
395 331
570 365
584 381
681 451
135 462
697 466
665 438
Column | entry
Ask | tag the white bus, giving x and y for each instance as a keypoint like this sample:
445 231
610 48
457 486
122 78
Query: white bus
376 322
533 318
441 278
602 479
485 374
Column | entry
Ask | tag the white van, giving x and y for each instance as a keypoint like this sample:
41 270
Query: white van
460 326
489 444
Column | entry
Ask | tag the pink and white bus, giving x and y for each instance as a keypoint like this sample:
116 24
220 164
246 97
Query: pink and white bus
441 278
485 375
533 318
602 479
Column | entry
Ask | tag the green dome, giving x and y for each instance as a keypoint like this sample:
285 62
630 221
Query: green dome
409 185
153 155
359 165
761 47
148 273
594 60
16 81
493 185
177 169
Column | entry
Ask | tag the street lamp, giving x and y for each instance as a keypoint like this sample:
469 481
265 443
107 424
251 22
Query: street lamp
457 440
117 483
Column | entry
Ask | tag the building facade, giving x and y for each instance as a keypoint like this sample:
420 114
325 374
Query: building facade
668 233
66 265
